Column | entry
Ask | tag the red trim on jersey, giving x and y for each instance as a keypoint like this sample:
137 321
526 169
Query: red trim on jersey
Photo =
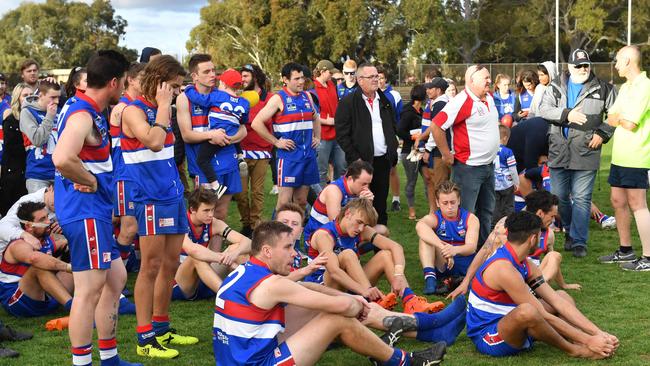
91 240
81 95
150 218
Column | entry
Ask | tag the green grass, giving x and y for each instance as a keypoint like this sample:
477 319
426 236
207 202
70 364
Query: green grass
615 300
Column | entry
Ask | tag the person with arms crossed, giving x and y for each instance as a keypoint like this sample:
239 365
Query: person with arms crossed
628 175
296 135
250 312
147 148
83 203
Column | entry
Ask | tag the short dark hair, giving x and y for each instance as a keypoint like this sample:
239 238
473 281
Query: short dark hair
382 70
105 66
364 65
521 225
357 167
291 206
419 93
44 86
290 67
268 232
542 68
26 210
27 63
447 187
541 200
133 71
201 195
197 59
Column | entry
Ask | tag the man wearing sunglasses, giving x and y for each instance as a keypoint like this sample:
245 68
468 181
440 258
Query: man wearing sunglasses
576 105
349 83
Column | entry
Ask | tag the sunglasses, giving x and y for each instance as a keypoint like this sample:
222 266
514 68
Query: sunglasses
349 72
583 66
248 67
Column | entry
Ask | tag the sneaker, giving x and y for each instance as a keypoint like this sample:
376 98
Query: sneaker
6 353
9 334
388 302
580 252
419 304
274 190
430 286
396 326
618 257
243 167
429 357
153 349
608 223
568 243
640 265
125 307
395 206
219 189
171 337
444 287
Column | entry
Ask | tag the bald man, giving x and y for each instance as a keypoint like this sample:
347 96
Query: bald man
474 120
628 174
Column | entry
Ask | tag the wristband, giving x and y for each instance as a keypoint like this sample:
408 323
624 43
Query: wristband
226 231
372 238
536 282
164 128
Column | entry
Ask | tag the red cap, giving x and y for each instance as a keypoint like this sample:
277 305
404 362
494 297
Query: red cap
232 78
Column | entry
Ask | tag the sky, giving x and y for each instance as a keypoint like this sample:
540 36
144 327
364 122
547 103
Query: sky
164 24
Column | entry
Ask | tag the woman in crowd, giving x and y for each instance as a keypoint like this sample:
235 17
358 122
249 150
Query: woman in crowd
546 72
76 81
504 98
525 91
12 178
411 120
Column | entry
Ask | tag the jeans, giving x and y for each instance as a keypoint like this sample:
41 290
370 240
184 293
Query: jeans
328 151
34 185
411 170
250 209
476 193
574 186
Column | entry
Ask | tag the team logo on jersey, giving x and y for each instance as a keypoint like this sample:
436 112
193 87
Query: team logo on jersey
289 99
197 109
166 222
131 206
289 179
106 257
277 352
151 116
291 107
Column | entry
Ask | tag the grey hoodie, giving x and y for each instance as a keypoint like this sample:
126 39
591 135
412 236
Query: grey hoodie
37 133
540 89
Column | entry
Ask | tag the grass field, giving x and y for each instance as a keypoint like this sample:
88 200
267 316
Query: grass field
615 300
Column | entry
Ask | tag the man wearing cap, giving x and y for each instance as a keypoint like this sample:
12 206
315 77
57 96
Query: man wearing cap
576 105
329 150
473 118
349 83
4 96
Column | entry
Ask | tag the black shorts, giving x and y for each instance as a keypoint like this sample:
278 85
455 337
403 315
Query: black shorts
623 177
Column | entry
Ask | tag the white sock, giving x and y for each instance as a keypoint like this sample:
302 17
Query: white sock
395 198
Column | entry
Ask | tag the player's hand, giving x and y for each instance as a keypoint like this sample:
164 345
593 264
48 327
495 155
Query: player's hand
315 264
31 240
613 119
460 290
398 285
522 114
164 94
86 189
315 141
365 308
576 116
595 142
219 137
372 294
367 194
448 250
285 144
51 110
572 286
450 262
448 158
228 258
55 228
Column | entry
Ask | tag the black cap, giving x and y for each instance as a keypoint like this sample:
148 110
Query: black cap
437 82
579 57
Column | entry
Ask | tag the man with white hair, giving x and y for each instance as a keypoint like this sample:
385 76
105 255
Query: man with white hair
474 120
575 105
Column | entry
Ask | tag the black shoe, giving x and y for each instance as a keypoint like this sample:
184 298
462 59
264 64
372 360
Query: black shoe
6 352
443 287
429 357
580 252
568 243
395 206
247 231
397 325
9 334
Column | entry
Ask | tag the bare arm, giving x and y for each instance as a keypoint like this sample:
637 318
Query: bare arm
333 198
240 135
20 251
471 238
185 122
135 124
424 229
200 253
66 155
324 243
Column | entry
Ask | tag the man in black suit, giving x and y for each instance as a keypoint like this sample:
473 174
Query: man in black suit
365 130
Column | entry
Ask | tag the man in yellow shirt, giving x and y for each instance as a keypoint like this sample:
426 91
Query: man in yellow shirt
628 174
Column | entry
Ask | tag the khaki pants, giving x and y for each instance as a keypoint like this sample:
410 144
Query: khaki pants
250 208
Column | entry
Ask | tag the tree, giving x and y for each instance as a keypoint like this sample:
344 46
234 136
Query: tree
59 33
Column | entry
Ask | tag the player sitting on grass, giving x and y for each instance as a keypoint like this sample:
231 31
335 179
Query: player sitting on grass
196 277
254 305
504 317
32 281
448 239
339 240
544 205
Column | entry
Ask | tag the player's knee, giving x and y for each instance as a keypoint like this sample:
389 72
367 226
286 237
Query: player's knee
346 256
555 256
527 313
382 230
617 202
150 267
